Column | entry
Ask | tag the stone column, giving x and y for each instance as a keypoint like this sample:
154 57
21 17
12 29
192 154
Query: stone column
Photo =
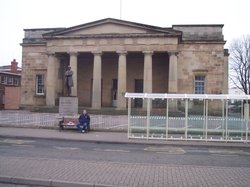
147 75
73 65
58 82
172 82
60 76
50 84
97 79
122 80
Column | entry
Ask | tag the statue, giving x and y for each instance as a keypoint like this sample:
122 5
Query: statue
69 80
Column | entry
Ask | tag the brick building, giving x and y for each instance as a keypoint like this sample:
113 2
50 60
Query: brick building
110 57
10 81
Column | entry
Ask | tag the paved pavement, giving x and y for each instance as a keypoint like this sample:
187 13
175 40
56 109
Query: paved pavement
65 172
101 136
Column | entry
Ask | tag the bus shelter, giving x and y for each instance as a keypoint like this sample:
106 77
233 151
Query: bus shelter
204 117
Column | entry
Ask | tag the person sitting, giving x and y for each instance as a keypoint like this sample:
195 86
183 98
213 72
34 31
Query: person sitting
84 122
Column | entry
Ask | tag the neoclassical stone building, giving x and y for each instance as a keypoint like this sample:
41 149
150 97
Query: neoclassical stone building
110 57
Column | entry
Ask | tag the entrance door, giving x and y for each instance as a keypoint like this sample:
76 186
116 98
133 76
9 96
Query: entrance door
1 100
138 89
114 92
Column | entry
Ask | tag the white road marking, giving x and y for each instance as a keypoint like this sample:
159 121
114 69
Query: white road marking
116 150
113 150
15 141
223 155
22 145
227 152
197 151
66 148
166 150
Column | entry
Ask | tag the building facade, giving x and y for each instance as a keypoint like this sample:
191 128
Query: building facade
10 81
110 57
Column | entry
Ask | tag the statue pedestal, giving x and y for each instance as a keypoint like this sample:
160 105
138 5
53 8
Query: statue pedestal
68 106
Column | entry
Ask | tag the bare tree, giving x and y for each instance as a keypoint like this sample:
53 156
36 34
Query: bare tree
240 63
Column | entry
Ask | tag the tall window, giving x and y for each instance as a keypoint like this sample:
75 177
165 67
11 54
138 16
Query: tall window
3 79
199 84
16 82
10 80
40 84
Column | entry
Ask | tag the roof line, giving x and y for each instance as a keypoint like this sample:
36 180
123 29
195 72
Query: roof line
199 25
160 29
9 73
34 29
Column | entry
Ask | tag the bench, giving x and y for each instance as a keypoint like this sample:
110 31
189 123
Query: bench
68 121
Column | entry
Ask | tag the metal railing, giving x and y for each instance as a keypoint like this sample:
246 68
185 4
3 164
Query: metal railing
189 117
21 118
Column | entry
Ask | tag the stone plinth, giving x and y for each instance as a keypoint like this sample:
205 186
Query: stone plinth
68 106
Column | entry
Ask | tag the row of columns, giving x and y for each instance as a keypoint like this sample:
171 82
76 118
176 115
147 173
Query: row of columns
97 76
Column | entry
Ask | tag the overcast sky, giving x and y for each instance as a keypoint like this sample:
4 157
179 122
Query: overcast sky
16 15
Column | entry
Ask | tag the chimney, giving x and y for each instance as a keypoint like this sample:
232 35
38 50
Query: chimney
13 68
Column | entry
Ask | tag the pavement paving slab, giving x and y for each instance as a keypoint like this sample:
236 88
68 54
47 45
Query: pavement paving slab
66 172
105 137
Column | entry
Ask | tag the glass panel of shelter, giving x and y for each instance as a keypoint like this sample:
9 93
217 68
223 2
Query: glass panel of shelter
197 119
137 120
236 120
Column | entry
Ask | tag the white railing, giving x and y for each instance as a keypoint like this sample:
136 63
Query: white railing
51 120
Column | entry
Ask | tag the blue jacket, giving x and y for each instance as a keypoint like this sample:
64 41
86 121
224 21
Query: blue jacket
84 118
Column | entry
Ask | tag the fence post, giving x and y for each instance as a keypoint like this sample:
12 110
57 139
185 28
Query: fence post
129 115
246 117
186 117
223 119
148 116
206 104
226 120
242 119
204 117
167 119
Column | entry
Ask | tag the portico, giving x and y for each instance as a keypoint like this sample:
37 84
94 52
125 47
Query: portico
102 78
110 57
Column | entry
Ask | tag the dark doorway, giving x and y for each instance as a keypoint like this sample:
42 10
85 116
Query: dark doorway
138 89
114 92
1 100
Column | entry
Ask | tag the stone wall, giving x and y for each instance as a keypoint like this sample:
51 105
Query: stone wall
201 59
113 44
36 35
200 32
34 61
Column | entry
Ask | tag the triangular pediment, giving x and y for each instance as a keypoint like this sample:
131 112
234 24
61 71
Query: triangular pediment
111 26
107 28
